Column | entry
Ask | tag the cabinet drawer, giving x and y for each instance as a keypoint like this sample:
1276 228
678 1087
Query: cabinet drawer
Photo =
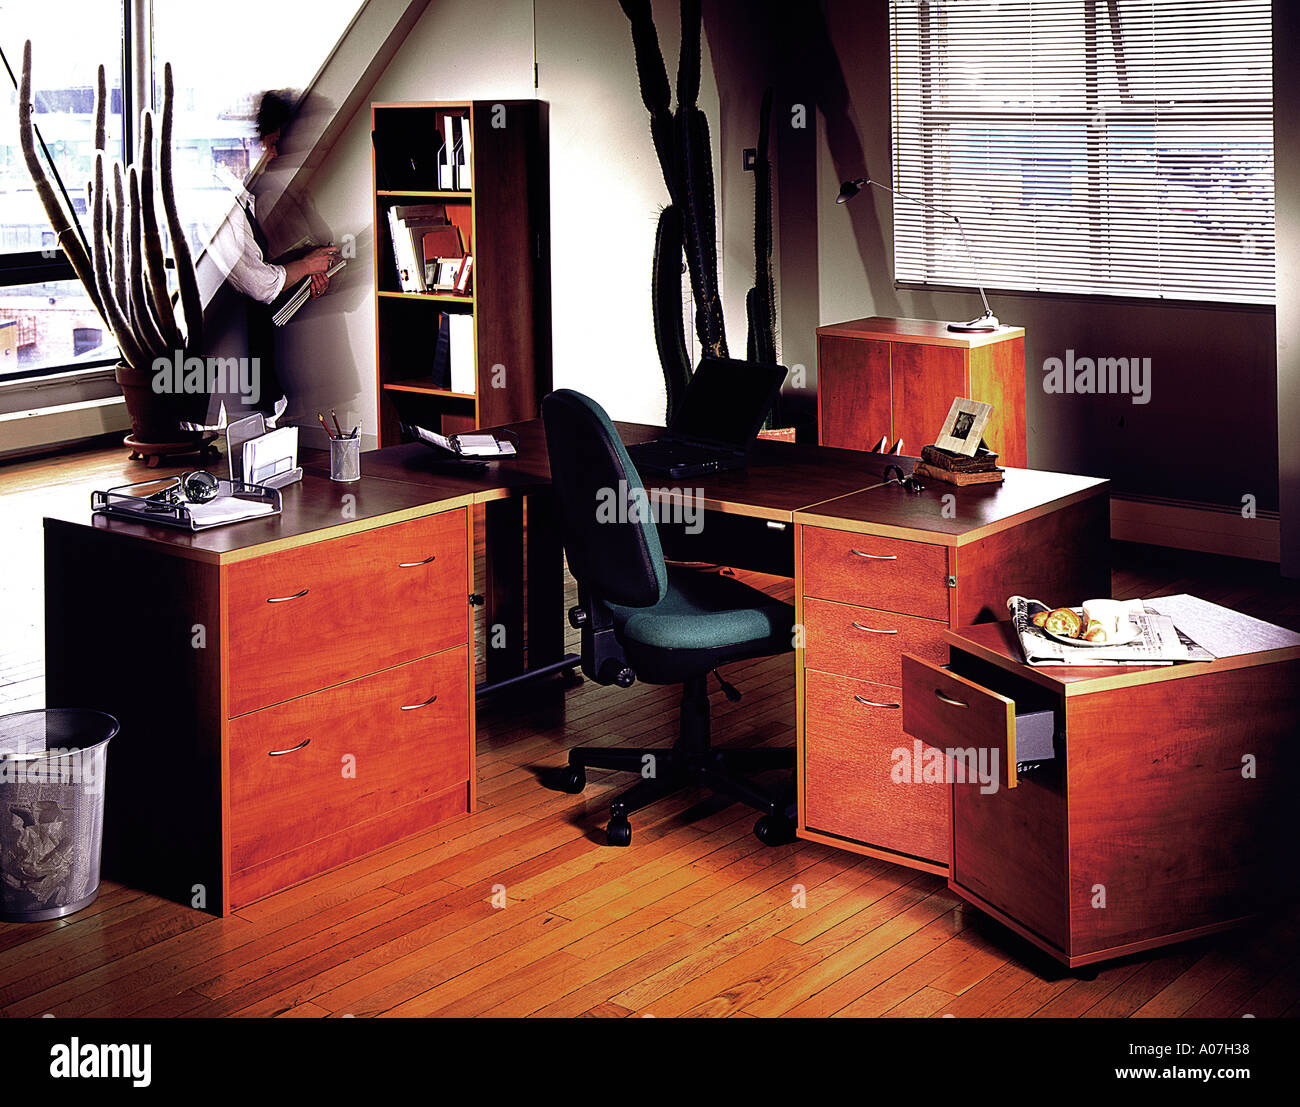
318 615
404 734
859 771
947 710
865 643
885 573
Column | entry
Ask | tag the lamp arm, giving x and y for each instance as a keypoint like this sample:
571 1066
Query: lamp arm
970 254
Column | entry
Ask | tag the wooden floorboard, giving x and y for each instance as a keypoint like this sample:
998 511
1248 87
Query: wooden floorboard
519 909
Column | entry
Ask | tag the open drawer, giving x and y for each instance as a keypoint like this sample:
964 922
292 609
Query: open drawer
979 727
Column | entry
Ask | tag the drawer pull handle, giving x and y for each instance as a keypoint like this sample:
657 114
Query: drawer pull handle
872 703
292 749
415 564
417 706
286 599
949 699
874 557
871 630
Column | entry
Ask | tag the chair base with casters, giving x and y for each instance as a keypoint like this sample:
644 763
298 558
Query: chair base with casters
691 762
642 619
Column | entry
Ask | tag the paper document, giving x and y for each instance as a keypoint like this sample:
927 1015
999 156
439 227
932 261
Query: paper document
1222 631
228 509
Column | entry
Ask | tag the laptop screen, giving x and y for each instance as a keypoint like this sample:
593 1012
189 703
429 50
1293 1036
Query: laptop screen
727 401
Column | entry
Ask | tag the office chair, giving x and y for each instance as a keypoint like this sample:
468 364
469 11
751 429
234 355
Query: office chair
641 619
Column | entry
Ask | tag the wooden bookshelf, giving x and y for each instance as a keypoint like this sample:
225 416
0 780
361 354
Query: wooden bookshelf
504 220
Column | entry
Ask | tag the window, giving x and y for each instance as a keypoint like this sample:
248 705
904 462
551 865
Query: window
1118 147
222 57
46 319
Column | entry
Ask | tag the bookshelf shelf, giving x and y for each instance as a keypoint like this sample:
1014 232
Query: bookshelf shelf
425 194
426 389
435 297
503 223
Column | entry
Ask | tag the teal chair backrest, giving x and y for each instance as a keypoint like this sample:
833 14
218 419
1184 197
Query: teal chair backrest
608 528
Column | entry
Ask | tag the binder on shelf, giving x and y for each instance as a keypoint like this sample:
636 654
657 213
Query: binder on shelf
463 179
447 157
442 353
461 351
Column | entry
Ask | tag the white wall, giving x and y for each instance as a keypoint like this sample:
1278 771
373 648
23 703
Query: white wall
606 193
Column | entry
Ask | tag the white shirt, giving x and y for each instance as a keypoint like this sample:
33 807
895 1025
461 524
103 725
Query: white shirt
240 258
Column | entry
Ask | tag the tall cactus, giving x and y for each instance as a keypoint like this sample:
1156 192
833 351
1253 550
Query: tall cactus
125 273
689 223
760 302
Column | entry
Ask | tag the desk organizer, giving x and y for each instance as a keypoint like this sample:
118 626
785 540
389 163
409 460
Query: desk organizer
132 501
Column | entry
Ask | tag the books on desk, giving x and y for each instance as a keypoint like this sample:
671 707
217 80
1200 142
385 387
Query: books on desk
957 469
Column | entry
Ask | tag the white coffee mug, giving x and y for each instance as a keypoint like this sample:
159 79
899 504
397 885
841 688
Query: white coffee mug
1111 614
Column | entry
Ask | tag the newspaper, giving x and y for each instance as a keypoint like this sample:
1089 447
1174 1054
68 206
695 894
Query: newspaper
1159 642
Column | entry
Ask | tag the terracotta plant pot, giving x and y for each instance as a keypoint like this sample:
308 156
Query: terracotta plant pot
153 414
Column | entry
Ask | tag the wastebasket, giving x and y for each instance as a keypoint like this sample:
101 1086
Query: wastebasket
51 810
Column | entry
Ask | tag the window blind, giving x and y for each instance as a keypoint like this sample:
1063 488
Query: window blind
1118 147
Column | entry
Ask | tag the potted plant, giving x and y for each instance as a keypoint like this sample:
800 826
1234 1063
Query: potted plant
123 268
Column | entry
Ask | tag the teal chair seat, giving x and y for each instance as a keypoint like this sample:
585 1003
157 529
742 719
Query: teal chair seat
704 611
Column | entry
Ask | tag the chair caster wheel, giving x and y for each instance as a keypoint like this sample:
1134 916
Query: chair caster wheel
573 779
774 830
619 832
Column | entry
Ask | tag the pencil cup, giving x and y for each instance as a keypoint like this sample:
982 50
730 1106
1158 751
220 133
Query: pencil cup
345 459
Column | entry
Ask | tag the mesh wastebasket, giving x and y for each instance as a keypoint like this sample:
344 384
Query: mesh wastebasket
51 810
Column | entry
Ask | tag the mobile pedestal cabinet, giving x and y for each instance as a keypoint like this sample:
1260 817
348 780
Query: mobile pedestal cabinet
1165 812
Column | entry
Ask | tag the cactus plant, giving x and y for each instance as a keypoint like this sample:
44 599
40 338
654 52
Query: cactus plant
689 223
124 273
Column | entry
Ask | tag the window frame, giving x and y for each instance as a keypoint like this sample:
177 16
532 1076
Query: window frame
35 267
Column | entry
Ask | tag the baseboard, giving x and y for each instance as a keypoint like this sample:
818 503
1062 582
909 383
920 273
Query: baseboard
1188 525
24 432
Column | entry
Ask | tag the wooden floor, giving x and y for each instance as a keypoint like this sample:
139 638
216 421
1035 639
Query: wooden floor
519 909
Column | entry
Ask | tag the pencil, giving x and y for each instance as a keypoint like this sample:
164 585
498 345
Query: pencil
335 419
323 424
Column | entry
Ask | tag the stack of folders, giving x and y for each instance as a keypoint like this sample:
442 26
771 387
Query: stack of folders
301 295
453 353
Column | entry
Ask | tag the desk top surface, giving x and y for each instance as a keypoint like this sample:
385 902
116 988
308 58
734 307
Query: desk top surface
997 643
921 332
784 482
313 509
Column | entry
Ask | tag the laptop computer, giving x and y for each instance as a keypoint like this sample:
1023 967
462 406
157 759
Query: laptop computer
717 422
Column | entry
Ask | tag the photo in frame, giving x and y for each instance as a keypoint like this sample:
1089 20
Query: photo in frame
963 429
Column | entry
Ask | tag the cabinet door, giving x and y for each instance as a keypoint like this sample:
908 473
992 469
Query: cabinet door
852 391
925 380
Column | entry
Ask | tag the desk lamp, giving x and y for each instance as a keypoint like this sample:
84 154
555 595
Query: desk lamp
986 322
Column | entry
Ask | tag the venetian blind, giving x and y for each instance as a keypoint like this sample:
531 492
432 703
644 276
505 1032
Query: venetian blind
1120 147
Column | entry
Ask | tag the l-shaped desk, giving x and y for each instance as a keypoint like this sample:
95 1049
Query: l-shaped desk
297 691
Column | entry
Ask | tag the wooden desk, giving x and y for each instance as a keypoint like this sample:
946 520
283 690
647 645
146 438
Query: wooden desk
1166 812
254 667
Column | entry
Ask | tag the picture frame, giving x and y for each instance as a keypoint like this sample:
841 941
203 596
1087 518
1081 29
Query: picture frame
963 428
